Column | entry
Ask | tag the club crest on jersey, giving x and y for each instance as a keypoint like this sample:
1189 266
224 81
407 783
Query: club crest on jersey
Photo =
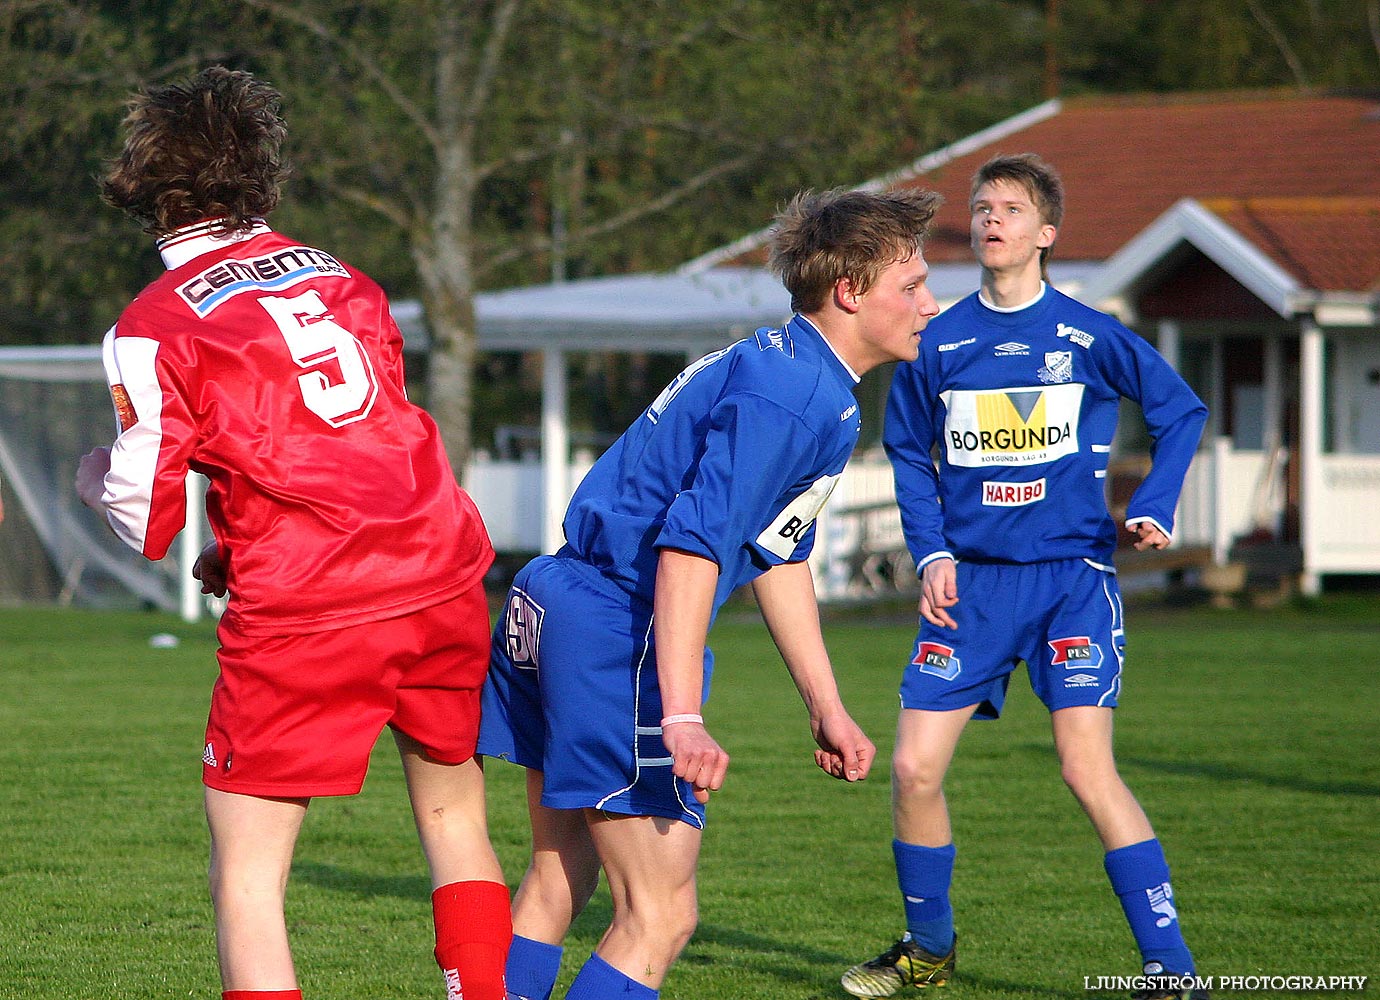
938 660
281 269
522 620
1013 427
1058 367
1076 652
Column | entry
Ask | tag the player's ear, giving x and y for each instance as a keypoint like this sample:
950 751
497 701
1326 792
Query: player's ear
846 295
1047 236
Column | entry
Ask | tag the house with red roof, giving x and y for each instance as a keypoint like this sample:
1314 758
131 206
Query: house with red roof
1239 232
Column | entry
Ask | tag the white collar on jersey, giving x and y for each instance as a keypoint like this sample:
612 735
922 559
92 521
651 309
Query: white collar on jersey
1014 309
190 242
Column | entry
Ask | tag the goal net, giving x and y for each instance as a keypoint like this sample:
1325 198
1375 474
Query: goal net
55 407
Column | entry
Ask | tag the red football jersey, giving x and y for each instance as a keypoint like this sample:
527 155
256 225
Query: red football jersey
276 371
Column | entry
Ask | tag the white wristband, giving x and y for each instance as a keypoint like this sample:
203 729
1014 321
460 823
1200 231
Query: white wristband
671 720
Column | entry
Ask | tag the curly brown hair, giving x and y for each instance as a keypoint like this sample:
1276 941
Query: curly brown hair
822 237
210 148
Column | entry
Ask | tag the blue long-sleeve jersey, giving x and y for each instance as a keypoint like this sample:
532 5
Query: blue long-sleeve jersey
732 462
1020 408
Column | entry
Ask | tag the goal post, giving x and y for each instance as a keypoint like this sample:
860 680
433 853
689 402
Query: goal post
55 407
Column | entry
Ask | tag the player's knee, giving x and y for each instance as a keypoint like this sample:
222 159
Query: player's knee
665 922
558 885
1088 779
681 920
914 779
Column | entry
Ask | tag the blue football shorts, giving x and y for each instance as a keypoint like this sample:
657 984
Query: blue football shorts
572 692
1062 618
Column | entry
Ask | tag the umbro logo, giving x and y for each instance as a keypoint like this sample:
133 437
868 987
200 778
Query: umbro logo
1010 349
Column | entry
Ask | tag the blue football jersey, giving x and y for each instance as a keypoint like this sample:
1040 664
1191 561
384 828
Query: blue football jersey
732 462
1019 409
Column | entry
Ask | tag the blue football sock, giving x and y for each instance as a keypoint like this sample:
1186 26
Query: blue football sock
1140 879
598 981
924 874
532 968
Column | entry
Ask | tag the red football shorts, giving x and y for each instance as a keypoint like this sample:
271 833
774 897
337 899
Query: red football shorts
298 716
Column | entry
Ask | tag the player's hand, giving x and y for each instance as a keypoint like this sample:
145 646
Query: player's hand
209 568
697 757
91 472
1148 536
844 751
939 592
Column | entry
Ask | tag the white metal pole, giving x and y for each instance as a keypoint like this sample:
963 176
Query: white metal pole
1221 530
555 448
1310 450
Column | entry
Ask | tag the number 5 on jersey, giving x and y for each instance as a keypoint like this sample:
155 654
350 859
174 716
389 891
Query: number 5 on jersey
315 340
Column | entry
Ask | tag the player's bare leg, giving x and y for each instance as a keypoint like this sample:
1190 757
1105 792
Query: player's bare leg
469 897
448 805
925 744
1135 862
650 862
923 957
252 840
562 874
1083 740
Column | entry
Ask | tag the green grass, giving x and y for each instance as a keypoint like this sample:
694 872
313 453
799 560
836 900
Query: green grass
1249 736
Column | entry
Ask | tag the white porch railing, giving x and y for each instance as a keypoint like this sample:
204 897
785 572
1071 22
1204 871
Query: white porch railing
1229 493
1345 518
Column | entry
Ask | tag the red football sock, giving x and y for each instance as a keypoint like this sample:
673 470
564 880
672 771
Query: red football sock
474 927
261 995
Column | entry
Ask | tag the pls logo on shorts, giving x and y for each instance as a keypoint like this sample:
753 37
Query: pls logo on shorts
933 658
1076 653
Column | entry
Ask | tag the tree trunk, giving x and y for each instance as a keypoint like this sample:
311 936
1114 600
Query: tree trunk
450 371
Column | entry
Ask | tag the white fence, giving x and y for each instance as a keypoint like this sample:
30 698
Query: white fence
1344 534
1231 493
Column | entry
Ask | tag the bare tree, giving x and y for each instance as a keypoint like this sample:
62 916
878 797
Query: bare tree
502 106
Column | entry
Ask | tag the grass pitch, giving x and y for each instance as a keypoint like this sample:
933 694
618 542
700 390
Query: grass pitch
1250 737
